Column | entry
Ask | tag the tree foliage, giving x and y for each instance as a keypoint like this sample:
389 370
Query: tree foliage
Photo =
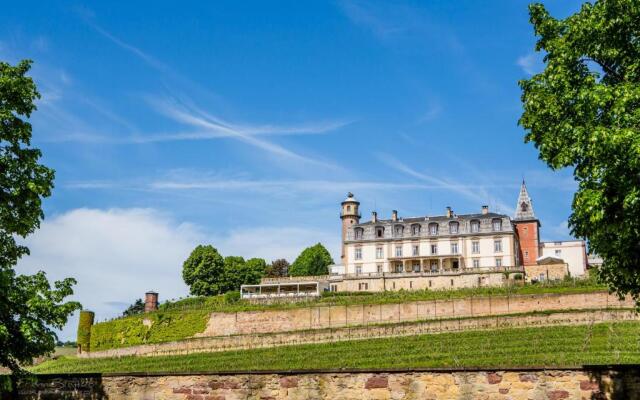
208 274
278 268
313 260
29 306
136 308
583 112
203 271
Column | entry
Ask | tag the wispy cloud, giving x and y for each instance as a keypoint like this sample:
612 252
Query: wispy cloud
530 63
475 192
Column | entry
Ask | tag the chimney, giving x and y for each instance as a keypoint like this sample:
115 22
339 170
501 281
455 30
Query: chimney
150 301
449 212
485 210
394 215
374 217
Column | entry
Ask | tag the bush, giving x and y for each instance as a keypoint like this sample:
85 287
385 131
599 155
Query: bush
232 297
85 323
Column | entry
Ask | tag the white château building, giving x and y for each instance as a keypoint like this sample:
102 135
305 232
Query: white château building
448 243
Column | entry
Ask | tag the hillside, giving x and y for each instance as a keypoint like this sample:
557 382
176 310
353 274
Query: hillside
559 346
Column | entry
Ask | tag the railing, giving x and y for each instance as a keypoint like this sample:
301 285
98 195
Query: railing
285 279
457 271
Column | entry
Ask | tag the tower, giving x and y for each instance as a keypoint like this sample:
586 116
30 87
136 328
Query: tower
527 228
349 216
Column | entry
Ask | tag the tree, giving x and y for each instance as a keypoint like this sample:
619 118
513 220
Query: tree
278 268
583 112
313 260
204 271
240 272
136 308
29 306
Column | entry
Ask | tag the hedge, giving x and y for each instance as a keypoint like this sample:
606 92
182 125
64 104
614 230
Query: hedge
161 326
84 330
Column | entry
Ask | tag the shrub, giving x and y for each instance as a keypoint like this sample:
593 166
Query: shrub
85 323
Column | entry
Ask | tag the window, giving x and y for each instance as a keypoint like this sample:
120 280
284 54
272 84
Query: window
415 229
429 283
399 229
359 233
410 284
416 267
453 228
497 225
379 268
398 268
526 255
398 251
452 282
379 232
454 248
558 253
476 263
475 247
542 276
497 246
434 249
434 266
348 208
363 286
358 269
379 252
498 262
433 229
394 285
358 253
333 288
475 226
416 250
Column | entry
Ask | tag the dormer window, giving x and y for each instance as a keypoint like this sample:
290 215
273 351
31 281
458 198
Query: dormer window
496 224
415 229
359 233
475 226
433 229
399 229
524 207
453 228
379 232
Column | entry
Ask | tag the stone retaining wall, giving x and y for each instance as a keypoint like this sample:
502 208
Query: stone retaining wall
238 342
269 321
552 384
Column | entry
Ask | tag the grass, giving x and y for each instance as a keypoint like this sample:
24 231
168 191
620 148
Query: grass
219 304
559 346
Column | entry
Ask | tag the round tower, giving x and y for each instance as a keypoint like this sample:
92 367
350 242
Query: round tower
350 216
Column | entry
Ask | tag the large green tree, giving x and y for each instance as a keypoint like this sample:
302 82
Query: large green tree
583 112
314 260
207 273
203 271
30 308
278 268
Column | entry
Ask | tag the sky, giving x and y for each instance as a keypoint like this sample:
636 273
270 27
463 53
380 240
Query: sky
244 125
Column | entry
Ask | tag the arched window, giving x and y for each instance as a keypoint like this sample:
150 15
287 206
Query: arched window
433 229
496 224
379 231
398 230
524 206
359 233
415 229
475 226
453 228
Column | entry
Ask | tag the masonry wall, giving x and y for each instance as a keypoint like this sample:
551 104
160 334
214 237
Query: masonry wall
553 384
269 321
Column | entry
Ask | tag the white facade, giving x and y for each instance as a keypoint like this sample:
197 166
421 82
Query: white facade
430 244
572 252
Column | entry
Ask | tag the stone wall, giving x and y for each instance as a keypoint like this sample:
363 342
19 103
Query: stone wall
253 341
552 384
320 317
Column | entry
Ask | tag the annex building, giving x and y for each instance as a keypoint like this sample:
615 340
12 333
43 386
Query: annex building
437 252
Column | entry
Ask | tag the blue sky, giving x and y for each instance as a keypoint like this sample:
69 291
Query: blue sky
244 124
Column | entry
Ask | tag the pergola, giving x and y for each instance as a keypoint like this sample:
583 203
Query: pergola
280 289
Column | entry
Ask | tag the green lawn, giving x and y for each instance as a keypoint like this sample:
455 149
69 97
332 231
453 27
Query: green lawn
605 343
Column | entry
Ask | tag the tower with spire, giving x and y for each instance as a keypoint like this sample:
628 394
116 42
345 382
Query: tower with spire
527 228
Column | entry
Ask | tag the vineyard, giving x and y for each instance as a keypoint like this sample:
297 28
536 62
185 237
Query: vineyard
557 346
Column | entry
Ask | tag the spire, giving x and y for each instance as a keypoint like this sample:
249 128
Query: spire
524 208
